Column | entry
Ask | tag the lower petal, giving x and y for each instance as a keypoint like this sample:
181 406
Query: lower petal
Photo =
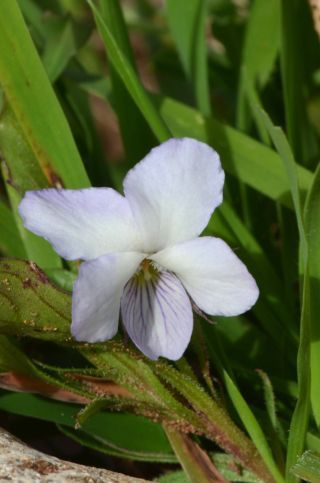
215 278
97 293
157 315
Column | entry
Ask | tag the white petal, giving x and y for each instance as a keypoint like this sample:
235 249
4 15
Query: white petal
81 223
97 293
173 191
158 316
215 278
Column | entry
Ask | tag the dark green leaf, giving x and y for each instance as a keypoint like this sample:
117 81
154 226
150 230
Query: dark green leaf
125 431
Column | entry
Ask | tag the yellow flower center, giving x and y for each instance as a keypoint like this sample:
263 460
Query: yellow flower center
147 271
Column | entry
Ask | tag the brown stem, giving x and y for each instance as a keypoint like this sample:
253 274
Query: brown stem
195 462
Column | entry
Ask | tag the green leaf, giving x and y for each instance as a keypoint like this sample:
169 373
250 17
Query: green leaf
307 467
277 433
300 418
225 464
10 240
21 172
33 14
33 101
252 426
13 359
260 462
190 39
30 305
63 43
130 79
301 414
106 446
312 226
248 94
126 432
173 477
269 399
297 38
262 36
284 150
252 162
131 121
63 278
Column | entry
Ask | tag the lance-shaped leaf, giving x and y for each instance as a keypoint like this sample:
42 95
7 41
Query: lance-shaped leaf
22 172
116 431
28 90
312 225
30 305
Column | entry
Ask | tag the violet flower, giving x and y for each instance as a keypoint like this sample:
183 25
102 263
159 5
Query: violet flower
142 252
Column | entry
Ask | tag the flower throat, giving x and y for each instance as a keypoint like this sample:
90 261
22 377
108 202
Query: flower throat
147 272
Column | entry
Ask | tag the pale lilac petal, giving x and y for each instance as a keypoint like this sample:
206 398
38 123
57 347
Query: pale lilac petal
81 223
97 293
158 316
173 192
215 278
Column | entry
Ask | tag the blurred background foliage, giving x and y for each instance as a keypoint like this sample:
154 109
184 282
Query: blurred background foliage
87 88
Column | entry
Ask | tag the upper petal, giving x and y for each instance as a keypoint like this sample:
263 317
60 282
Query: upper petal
81 223
217 281
96 295
173 191
158 316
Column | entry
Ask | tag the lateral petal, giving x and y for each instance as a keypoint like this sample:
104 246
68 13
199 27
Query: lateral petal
173 192
215 278
81 223
158 316
97 293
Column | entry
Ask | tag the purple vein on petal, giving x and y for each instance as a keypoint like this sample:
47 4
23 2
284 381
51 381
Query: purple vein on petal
157 315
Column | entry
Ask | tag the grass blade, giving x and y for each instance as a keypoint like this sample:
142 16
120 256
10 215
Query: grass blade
297 37
33 101
312 226
189 37
130 79
284 150
301 415
252 426
262 34
131 121
63 43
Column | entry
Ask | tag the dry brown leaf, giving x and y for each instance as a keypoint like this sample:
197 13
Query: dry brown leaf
13 381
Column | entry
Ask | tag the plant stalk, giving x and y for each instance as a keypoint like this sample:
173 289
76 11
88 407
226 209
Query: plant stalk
195 462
